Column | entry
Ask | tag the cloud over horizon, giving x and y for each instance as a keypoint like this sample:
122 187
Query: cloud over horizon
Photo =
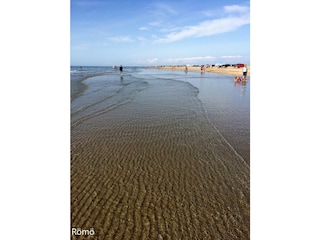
238 16
193 60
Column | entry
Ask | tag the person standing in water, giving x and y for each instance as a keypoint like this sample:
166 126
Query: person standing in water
121 70
244 71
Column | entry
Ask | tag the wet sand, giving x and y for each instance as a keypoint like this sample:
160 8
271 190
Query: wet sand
156 168
77 85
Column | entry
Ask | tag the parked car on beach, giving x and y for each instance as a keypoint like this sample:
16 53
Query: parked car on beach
239 65
225 65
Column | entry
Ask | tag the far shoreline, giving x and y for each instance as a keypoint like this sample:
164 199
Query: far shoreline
228 70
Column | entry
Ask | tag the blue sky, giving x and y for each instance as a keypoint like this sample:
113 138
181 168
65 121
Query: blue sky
139 33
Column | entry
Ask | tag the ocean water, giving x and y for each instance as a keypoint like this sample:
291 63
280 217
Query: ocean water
227 104
159 154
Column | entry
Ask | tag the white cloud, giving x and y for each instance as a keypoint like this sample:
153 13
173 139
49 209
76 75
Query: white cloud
208 13
121 39
231 9
236 9
207 28
161 10
150 25
152 60
236 16
189 59
238 56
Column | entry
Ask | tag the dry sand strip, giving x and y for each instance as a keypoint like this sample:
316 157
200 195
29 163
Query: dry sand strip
228 70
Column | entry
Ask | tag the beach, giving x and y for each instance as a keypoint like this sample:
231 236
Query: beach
150 160
228 70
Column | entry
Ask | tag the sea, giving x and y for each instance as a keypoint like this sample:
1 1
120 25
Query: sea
226 103
159 154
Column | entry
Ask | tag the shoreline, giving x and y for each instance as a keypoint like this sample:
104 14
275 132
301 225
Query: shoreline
77 84
228 70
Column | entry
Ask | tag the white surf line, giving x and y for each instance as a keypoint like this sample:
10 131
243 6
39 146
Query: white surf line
208 119
235 151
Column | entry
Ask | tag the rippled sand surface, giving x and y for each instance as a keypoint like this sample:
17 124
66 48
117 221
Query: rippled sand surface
146 163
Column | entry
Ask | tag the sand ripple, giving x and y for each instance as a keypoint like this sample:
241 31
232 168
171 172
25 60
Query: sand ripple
157 169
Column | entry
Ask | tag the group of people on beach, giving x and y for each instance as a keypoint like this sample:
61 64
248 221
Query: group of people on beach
120 68
243 78
240 79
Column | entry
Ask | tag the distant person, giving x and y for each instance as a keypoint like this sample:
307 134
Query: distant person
244 70
121 68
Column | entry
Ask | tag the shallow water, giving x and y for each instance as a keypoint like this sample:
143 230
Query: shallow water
151 157
226 103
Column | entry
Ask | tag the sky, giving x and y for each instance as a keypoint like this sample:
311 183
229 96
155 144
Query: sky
142 33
